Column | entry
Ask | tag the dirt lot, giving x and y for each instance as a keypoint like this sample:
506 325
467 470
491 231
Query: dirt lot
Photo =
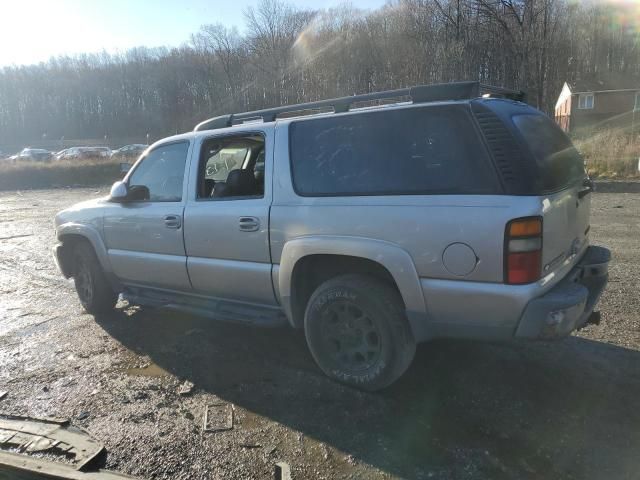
565 409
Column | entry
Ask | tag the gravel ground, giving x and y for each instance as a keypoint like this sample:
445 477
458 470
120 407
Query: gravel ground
566 409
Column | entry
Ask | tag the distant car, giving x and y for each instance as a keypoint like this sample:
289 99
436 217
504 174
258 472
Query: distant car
98 151
129 152
83 153
60 155
35 155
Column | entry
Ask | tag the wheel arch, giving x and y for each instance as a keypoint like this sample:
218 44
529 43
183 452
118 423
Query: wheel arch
307 262
69 234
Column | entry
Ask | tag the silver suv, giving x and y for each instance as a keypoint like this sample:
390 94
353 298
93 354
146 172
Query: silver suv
456 211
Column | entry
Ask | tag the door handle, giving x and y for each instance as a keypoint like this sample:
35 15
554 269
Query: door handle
249 224
172 221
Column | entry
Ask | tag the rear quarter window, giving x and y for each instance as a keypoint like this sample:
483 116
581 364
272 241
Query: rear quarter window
431 150
559 163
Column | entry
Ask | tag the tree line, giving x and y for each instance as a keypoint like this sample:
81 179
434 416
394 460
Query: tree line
286 55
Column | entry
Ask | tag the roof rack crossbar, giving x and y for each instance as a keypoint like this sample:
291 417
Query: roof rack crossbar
418 94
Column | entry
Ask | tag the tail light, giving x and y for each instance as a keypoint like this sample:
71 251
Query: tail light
523 250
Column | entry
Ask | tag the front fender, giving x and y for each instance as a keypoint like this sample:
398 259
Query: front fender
89 233
392 257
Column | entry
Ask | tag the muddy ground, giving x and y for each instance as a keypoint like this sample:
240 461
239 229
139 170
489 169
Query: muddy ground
567 409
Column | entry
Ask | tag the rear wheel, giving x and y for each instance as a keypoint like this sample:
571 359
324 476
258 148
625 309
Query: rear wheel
94 291
357 331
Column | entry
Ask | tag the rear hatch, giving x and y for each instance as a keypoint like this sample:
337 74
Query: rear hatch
561 182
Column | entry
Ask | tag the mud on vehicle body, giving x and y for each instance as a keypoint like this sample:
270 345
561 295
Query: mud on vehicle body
463 213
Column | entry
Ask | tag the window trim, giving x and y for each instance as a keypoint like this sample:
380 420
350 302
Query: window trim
586 96
487 160
201 165
146 153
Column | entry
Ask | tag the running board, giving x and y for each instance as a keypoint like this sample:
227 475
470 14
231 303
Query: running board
209 307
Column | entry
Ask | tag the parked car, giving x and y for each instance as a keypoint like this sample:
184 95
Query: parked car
73 153
103 152
61 154
464 214
84 153
129 152
35 154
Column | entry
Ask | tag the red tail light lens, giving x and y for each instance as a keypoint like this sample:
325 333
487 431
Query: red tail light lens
523 250
523 267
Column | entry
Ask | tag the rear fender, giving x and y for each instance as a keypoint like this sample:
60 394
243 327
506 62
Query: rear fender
392 257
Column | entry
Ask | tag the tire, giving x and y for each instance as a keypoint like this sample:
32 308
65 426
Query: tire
357 332
94 291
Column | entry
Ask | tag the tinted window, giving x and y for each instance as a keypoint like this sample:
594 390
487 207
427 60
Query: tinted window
404 151
162 172
558 161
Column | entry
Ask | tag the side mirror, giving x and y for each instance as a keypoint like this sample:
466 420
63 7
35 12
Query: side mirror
118 192
135 193
138 193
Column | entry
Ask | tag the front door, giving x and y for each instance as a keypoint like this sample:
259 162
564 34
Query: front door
144 238
227 223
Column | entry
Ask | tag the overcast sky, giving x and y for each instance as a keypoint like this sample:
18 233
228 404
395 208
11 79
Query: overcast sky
32 31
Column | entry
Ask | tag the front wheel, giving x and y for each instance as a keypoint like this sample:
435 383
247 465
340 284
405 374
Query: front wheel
357 331
94 291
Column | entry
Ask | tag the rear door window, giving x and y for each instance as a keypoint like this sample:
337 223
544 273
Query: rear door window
429 150
559 163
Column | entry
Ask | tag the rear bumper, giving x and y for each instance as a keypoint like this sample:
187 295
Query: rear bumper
568 305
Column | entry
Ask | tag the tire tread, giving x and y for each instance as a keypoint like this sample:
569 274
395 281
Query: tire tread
104 298
389 301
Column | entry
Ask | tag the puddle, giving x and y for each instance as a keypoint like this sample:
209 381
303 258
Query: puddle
152 370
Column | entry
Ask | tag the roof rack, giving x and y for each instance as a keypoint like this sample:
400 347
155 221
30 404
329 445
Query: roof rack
418 94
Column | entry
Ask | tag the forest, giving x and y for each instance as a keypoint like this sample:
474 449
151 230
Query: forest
283 55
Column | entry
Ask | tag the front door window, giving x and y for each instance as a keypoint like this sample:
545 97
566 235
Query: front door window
162 172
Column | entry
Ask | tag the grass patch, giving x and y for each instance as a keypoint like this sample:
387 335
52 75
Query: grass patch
611 153
65 173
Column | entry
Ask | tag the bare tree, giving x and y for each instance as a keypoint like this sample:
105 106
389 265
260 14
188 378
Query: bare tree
289 55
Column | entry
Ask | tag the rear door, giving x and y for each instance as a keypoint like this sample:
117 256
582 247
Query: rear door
227 227
563 186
